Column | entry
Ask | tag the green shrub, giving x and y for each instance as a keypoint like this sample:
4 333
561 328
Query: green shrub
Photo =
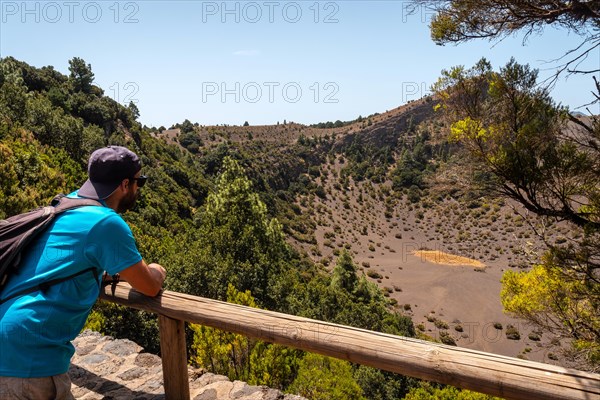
320 191
447 339
440 324
512 333
374 274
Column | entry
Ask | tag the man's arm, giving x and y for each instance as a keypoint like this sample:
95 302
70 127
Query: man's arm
145 278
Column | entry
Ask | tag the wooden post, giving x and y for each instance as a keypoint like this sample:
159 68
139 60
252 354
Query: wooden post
174 358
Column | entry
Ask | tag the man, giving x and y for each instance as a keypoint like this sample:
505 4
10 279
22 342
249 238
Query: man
36 329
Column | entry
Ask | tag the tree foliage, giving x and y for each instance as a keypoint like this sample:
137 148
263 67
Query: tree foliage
81 75
239 244
31 175
325 378
559 302
344 274
222 352
551 166
537 154
513 127
435 392
68 113
458 21
461 20
380 385
240 357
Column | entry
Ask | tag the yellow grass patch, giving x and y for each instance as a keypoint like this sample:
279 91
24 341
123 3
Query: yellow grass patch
439 257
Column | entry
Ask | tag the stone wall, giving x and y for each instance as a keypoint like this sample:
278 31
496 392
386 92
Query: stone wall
106 368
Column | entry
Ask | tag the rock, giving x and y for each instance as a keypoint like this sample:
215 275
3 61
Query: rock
108 386
209 394
93 359
271 394
83 350
147 360
242 389
122 347
133 373
209 378
220 390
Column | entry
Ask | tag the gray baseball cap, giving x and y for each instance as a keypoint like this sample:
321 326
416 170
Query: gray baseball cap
107 167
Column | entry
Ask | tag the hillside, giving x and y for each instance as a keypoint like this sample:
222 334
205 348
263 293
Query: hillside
353 199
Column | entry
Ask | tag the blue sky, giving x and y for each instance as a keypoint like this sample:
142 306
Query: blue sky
217 62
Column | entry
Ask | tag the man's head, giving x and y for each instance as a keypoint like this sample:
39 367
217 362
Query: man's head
113 172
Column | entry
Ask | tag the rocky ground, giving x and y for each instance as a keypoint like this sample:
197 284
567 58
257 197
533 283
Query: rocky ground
105 368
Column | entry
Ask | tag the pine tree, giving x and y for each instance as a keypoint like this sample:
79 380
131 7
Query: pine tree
239 242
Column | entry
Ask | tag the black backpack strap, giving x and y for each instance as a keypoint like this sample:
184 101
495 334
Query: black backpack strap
63 203
57 199
45 285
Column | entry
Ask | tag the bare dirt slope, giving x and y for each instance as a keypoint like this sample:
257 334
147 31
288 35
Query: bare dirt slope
462 300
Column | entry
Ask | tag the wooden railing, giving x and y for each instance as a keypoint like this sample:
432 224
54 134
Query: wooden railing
493 374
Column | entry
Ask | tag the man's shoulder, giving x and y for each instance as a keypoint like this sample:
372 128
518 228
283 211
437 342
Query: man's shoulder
90 215
100 208
99 219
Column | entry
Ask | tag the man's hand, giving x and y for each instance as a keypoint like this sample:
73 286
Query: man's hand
158 271
146 279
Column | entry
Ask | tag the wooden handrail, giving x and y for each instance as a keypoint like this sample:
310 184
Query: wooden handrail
493 374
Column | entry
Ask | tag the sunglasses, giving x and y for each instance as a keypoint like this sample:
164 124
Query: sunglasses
141 181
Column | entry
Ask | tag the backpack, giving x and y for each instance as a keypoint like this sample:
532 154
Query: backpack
18 231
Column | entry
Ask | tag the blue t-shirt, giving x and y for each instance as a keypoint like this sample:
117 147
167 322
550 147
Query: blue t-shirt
36 329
